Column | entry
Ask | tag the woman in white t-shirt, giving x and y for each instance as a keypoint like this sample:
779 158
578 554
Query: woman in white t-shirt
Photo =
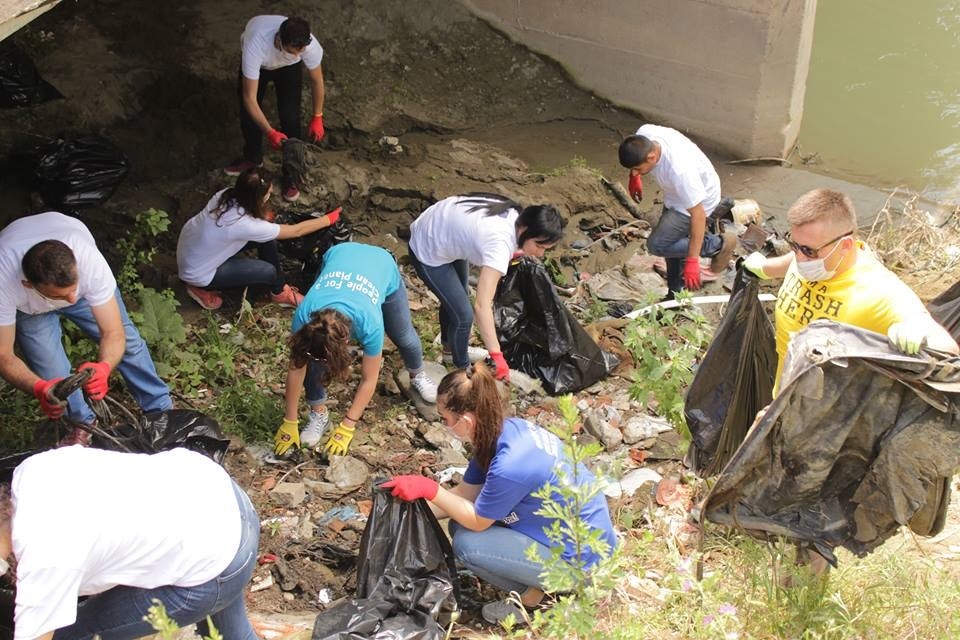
486 230
236 219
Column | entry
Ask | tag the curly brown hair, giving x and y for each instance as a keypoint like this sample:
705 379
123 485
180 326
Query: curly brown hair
462 391
325 338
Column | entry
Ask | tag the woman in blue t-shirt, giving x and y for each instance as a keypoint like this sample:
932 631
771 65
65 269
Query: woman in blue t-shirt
493 509
359 295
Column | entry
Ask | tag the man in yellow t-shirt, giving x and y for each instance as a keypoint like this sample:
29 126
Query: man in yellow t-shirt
832 275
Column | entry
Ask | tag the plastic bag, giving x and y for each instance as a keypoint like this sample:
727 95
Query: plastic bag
405 580
303 256
540 336
945 309
78 171
165 430
20 84
734 380
861 440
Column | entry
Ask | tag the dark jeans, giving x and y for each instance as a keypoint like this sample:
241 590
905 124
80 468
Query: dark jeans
288 84
671 240
449 283
240 271
118 614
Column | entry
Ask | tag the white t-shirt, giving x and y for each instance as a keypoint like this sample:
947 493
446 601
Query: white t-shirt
206 243
685 174
95 281
87 520
448 231
259 50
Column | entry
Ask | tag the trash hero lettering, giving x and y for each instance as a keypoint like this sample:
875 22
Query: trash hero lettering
806 301
351 281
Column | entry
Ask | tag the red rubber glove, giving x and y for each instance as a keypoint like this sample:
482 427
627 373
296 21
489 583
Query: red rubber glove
316 128
636 187
98 385
275 137
691 273
333 216
41 389
503 369
410 488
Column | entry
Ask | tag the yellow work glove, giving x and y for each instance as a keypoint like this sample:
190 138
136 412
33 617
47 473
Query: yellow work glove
754 264
905 337
339 440
288 435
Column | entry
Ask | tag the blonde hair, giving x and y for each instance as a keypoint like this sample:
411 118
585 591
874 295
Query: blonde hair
832 207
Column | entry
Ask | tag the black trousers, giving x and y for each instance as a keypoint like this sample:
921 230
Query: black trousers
288 84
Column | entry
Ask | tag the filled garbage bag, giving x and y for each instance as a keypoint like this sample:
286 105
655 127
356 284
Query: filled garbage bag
945 309
861 440
406 577
78 171
302 257
540 337
20 84
165 430
734 380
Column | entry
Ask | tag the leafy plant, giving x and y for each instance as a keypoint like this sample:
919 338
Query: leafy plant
167 628
138 247
665 345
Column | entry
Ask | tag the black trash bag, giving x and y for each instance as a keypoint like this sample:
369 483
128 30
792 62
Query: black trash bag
79 171
302 257
945 309
406 577
861 440
540 337
734 380
165 430
20 84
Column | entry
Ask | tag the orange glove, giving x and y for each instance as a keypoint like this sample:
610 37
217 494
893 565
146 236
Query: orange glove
691 273
502 368
275 137
636 187
316 128
333 216
98 384
41 391
412 487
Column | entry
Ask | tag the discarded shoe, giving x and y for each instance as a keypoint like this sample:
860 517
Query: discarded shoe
207 299
289 297
291 193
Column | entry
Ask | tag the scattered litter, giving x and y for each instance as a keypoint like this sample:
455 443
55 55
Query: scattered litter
324 596
262 583
628 484
447 474
342 512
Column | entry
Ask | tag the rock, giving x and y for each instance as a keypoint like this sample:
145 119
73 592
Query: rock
426 410
305 528
642 427
346 473
602 430
450 457
390 387
580 243
326 490
288 494
440 437
391 145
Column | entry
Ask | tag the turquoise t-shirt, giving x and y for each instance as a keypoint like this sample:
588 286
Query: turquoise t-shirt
355 279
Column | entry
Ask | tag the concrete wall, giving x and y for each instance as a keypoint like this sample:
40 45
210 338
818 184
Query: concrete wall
731 73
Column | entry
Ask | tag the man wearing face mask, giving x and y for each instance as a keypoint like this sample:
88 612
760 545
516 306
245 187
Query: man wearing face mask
832 275
50 268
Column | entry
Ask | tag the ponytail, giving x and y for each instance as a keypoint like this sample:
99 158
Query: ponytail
324 338
477 392
489 203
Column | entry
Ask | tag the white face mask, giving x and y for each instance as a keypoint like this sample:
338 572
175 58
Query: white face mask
816 270
4 566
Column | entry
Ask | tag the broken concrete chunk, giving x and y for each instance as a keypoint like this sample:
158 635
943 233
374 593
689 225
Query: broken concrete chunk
642 427
288 494
346 473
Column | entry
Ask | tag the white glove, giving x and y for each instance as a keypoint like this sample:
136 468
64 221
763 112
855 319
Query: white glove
906 337
754 264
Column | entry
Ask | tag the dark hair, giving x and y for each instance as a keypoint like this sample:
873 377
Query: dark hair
247 192
295 32
462 391
542 221
50 262
6 504
634 151
324 338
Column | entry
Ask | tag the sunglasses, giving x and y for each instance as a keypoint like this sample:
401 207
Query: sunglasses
813 252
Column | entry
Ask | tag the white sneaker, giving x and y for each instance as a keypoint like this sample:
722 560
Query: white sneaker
474 354
317 425
426 387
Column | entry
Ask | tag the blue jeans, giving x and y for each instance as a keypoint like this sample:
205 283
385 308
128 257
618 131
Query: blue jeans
241 271
118 614
397 325
498 555
671 240
449 283
39 338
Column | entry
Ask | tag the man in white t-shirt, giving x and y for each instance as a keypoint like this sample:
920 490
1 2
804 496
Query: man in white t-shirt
272 49
170 526
50 268
691 191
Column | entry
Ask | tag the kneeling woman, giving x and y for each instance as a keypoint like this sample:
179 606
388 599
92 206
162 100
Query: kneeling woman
236 219
358 295
493 510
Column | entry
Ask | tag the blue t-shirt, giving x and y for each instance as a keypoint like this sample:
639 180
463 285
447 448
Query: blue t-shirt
525 460
355 279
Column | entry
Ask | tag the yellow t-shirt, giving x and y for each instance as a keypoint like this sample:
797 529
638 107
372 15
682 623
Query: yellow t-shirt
867 295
